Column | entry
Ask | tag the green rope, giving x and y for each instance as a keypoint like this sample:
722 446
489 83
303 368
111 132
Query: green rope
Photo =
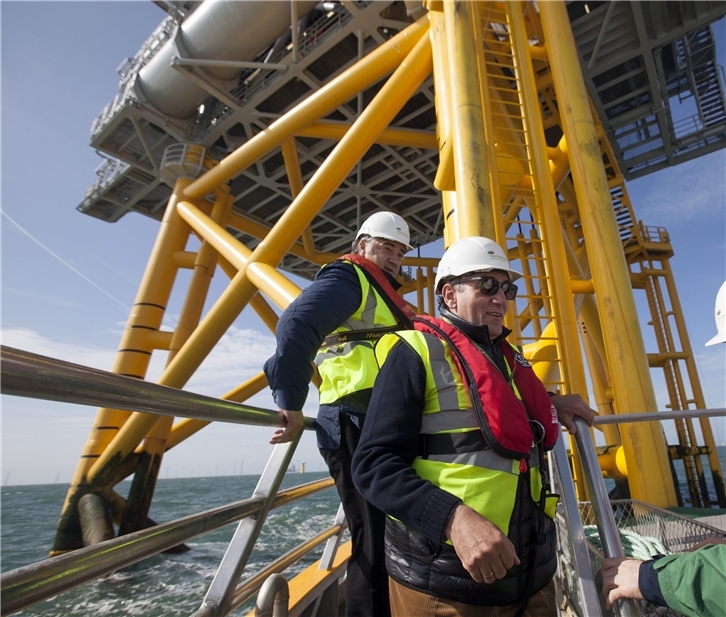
634 545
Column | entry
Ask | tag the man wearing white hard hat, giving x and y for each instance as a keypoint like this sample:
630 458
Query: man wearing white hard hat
335 322
451 450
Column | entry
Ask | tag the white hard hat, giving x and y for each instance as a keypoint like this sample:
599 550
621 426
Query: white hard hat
386 225
720 312
474 254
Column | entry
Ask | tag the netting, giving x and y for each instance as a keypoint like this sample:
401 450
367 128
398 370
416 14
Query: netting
644 531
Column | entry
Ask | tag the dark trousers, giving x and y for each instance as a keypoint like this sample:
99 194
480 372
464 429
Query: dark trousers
367 580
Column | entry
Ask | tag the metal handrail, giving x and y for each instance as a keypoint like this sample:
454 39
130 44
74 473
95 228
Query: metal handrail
36 582
657 416
587 596
247 589
604 519
35 376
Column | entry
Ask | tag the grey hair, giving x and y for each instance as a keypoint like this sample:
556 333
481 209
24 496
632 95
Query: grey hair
354 247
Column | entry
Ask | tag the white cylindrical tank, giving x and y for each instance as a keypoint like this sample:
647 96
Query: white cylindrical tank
217 30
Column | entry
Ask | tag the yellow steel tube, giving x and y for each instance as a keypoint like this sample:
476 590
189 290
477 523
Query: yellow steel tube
159 339
582 287
444 136
224 243
184 259
644 445
430 279
146 317
205 264
475 214
204 267
294 176
397 90
258 303
598 379
391 136
365 72
186 427
266 278
419 291
260 232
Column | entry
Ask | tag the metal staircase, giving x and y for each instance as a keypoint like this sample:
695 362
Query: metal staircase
698 50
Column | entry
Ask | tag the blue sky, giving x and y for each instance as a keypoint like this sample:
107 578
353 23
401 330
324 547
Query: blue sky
68 279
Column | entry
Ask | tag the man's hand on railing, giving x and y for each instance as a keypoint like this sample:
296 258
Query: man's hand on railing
620 579
570 405
294 425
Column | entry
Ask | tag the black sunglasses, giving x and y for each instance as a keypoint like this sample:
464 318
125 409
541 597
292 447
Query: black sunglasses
488 285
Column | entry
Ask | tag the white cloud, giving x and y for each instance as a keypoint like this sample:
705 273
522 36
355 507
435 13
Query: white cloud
238 356
30 340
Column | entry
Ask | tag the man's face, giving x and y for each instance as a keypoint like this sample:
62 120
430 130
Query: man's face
386 254
466 300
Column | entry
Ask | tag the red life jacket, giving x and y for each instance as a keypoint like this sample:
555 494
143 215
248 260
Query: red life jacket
376 277
505 422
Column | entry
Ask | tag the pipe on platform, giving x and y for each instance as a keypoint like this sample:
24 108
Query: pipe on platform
217 30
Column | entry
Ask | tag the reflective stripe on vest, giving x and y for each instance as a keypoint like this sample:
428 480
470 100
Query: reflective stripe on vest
351 366
483 480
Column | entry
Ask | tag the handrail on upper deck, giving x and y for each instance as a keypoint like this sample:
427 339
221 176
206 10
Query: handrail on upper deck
34 376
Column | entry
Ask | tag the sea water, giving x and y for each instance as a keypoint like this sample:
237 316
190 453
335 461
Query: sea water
164 585
167 585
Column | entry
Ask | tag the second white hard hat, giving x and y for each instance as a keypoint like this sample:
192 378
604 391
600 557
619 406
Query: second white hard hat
720 314
474 254
386 225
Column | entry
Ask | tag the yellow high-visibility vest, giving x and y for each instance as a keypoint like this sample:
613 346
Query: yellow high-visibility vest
484 480
351 366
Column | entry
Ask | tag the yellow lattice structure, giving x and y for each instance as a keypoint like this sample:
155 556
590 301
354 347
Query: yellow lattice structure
506 78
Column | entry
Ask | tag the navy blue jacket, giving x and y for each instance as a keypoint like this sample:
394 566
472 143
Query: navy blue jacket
321 308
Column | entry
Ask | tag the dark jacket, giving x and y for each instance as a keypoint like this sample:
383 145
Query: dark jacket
321 308
416 553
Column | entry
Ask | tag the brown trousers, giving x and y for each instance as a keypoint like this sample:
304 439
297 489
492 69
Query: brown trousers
406 602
